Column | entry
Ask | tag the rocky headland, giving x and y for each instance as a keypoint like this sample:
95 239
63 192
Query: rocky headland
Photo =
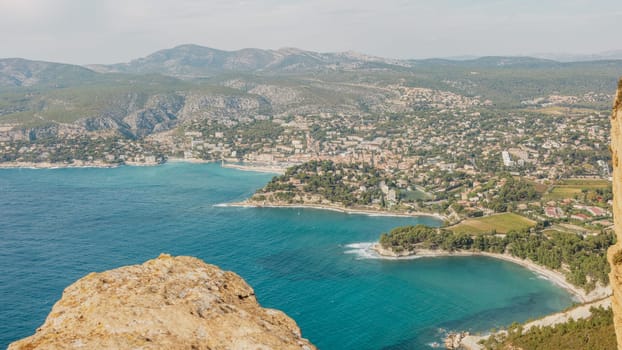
165 303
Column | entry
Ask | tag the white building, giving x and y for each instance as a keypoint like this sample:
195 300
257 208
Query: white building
507 161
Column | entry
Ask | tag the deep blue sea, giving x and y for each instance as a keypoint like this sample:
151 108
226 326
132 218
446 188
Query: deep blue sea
58 225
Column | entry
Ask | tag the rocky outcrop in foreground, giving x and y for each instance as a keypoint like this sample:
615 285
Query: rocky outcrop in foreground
615 252
165 303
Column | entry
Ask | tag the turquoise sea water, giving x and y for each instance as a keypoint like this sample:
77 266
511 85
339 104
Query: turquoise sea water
58 225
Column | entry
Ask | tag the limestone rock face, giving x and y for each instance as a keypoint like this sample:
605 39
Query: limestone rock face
165 303
615 252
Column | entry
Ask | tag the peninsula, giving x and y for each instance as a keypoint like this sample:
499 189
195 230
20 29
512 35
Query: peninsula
356 188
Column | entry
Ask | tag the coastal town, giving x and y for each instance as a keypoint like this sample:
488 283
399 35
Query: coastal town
448 134
444 153
79 150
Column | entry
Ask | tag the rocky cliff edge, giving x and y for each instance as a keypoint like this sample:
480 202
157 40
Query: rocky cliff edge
165 303
615 252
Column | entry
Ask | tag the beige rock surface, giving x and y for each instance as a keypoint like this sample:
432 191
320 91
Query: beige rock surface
615 252
165 303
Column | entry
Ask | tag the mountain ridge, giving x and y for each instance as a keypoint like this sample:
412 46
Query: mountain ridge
192 61
18 72
158 92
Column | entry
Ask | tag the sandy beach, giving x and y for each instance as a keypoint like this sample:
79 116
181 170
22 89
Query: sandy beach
272 169
370 212
189 160
555 277
471 342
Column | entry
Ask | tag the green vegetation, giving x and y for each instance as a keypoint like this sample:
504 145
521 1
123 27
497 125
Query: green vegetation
337 183
110 95
595 333
562 192
593 190
513 191
509 80
414 195
585 258
499 223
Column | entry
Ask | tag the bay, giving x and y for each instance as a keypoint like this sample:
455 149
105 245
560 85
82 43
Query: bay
57 225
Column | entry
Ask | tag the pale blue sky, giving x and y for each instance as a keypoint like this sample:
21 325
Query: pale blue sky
109 31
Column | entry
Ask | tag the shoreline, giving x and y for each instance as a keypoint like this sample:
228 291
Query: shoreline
471 341
256 168
189 160
370 212
99 165
47 165
555 277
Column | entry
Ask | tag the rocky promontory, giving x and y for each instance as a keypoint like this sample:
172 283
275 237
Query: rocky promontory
165 303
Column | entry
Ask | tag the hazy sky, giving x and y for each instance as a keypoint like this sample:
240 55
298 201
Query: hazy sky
110 31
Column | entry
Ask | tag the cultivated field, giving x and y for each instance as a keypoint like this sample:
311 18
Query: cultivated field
500 223
570 188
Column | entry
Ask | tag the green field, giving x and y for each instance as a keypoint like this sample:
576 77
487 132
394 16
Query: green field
411 196
540 187
561 192
586 183
570 188
501 223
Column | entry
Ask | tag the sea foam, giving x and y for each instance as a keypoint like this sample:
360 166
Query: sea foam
362 250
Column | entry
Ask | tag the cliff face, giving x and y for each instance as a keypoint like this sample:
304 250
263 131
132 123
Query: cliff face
165 303
615 252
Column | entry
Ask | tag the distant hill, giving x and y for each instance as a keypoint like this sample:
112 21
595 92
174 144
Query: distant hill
194 60
603 56
21 72
488 62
